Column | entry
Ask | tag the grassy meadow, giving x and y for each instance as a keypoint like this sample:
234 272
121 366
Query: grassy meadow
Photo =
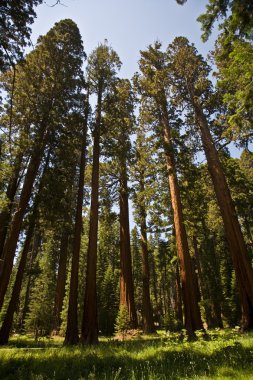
221 355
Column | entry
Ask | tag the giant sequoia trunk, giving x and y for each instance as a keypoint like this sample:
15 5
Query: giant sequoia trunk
5 215
237 247
15 226
89 333
190 299
8 318
71 336
126 279
32 257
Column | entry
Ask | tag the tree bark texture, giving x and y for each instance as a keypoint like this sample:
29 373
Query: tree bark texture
8 318
191 308
5 215
71 337
32 256
15 226
126 278
89 333
237 247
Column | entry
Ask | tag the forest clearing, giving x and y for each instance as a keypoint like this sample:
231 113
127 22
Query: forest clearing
224 355
126 199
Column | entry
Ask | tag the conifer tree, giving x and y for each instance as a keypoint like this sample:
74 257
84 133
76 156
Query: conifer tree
193 88
154 84
54 90
71 336
40 318
142 170
119 117
15 18
108 266
15 295
103 64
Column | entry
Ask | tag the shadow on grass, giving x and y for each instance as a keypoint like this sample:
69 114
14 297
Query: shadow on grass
149 359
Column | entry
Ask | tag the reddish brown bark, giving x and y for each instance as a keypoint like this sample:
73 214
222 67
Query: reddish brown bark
15 226
126 279
89 332
32 258
191 308
61 280
8 319
237 247
71 337
10 194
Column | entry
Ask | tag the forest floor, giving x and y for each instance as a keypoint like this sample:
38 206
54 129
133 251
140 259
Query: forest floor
223 354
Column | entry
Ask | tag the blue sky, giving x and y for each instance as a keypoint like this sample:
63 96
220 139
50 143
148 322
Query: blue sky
128 25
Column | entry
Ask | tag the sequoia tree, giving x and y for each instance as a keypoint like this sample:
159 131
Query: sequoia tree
154 84
103 64
120 119
191 86
48 93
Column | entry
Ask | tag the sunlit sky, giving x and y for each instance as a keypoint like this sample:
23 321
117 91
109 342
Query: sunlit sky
128 25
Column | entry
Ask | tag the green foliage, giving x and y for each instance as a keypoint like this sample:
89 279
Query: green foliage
15 18
170 323
41 310
122 321
234 59
236 15
108 301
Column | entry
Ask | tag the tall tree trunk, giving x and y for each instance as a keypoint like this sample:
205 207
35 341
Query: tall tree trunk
61 279
8 319
5 215
191 308
34 253
237 247
147 312
71 336
126 279
89 333
15 226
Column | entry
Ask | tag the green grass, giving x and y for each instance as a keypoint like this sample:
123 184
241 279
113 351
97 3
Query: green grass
224 355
